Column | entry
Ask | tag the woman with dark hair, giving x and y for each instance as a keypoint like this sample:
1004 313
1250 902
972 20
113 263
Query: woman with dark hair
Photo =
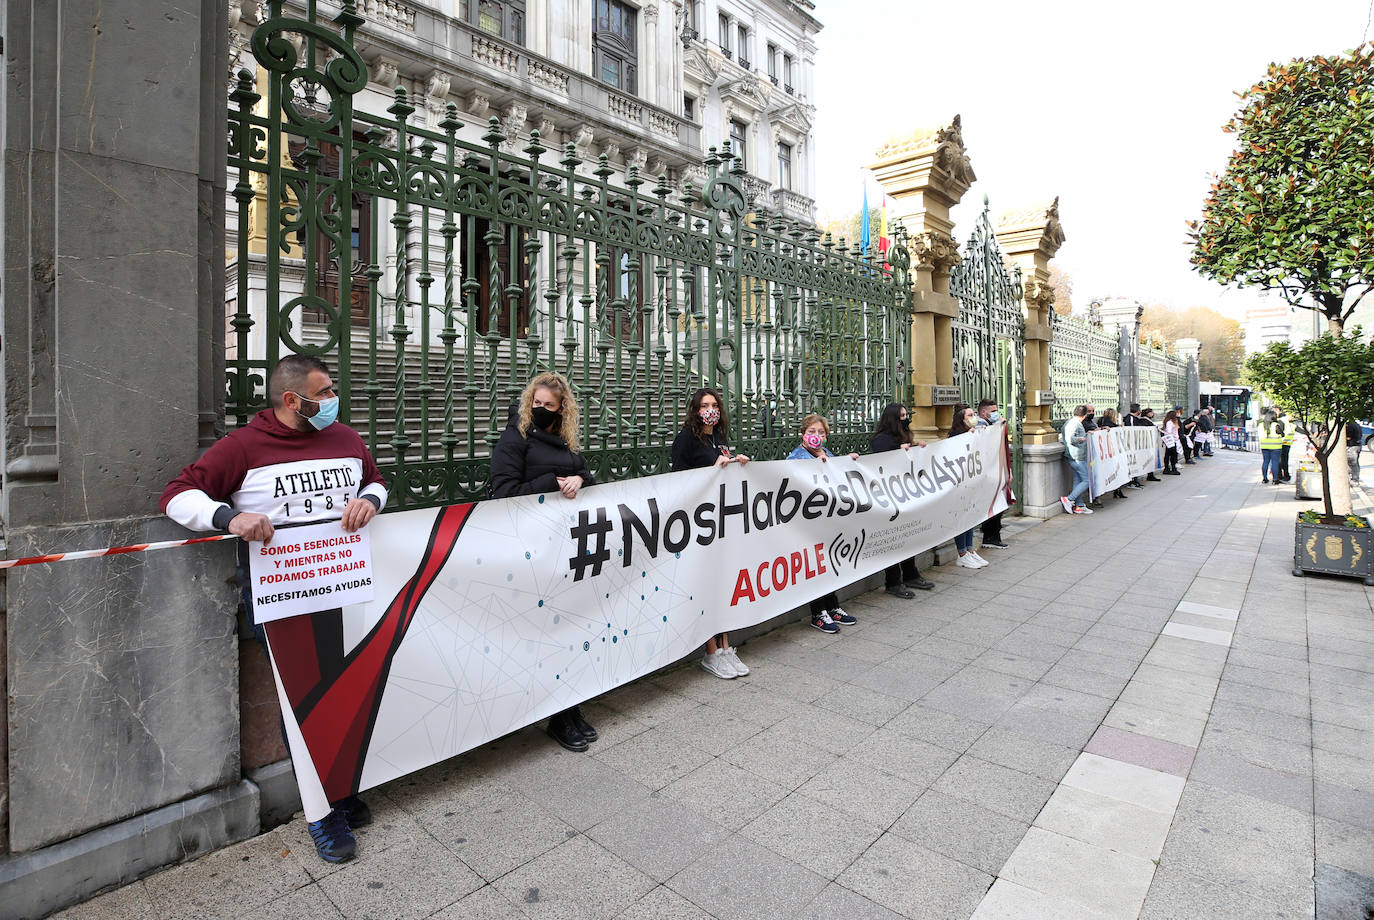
826 613
702 442
1110 419
1169 433
893 433
538 452
968 559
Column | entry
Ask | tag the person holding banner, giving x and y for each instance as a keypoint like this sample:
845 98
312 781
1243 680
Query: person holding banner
704 442
826 613
1169 433
538 452
293 463
893 432
1204 431
992 527
964 422
1109 420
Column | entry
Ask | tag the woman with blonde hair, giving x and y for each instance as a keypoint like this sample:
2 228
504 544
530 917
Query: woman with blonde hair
538 452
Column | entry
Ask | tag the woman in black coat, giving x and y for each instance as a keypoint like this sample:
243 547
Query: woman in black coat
538 452
702 442
893 432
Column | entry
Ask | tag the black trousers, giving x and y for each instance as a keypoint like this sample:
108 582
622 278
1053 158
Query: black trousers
1171 458
905 570
823 603
1283 463
992 528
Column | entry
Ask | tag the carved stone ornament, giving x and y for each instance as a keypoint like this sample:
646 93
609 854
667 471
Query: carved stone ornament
934 251
651 12
436 92
637 157
478 105
951 155
702 64
548 132
1039 295
583 141
384 73
610 149
658 167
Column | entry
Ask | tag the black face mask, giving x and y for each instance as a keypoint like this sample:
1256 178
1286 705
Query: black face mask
544 419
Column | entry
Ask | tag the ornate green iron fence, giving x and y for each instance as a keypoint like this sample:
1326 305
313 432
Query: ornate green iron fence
1163 380
1085 366
990 333
438 275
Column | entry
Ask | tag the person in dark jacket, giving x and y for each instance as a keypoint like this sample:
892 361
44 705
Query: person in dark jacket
894 432
704 441
1109 419
538 452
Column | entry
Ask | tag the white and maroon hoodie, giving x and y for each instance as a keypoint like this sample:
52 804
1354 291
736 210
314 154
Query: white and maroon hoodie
291 476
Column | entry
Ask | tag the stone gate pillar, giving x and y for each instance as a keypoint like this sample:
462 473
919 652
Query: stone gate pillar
1030 237
121 674
1122 315
927 173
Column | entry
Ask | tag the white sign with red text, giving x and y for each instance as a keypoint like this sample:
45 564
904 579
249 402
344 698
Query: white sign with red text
1118 455
310 568
490 616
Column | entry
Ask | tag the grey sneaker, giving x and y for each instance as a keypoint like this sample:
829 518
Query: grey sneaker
717 664
732 659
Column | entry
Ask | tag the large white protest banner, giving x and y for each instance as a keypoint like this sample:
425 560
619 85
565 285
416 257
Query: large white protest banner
493 615
1118 455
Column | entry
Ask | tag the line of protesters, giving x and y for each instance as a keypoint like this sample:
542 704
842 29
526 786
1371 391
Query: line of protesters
237 487
1191 436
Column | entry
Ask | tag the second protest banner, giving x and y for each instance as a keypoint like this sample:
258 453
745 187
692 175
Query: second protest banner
491 616
1118 455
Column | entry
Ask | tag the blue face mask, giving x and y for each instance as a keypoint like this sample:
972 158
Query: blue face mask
994 418
326 416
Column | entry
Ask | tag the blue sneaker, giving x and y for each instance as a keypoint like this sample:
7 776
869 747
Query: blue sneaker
333 838
844 619
823 622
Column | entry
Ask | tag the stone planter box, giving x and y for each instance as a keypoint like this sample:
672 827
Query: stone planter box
1332 547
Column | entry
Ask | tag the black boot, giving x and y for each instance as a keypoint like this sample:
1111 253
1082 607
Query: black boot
579 723
565 733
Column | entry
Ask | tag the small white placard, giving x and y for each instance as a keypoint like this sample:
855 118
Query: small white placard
308 569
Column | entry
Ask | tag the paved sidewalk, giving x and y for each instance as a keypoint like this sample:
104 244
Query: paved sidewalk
1140 713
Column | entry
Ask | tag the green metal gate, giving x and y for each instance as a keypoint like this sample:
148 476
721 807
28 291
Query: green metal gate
990 334
437 275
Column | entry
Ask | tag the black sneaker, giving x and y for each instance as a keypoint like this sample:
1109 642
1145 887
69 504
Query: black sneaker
581 724
920 584
823 622
1153 478
355 811
995 544
333 837
901 591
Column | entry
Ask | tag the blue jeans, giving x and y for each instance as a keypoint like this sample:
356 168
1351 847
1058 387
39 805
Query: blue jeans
1269 466
964 541
1080 479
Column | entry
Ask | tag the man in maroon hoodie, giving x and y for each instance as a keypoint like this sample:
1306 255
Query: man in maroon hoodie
291 464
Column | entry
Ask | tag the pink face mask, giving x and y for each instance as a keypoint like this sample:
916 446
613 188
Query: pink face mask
813 441
710 415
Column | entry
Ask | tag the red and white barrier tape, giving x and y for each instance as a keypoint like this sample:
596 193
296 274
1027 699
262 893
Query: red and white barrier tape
112 551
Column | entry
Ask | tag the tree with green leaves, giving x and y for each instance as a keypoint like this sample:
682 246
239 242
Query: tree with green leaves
1326 383
1294 211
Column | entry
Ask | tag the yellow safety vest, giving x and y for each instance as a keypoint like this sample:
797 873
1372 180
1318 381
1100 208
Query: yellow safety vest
1289 430
1270 439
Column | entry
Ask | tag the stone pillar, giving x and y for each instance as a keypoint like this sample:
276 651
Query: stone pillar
1030 237
1123 314
648 82
1191 351
926 173
121 674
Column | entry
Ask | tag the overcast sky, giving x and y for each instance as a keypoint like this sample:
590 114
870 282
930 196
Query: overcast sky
1115 108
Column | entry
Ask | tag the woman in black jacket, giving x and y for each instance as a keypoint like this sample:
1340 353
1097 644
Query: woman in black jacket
538 452
893 432
702 442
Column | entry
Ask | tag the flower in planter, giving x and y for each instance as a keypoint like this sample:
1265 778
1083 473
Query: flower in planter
1357 522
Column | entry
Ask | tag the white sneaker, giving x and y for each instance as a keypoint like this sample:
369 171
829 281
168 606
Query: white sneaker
732 659
977 558
718 664
1068 505
965 561
1082 509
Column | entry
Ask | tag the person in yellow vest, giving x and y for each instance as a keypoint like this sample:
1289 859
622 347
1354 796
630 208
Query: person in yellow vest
1271 446
1290 429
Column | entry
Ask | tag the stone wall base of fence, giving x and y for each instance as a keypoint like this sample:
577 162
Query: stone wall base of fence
44 880
1047 477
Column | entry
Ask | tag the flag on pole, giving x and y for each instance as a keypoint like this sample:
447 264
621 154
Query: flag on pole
863 225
